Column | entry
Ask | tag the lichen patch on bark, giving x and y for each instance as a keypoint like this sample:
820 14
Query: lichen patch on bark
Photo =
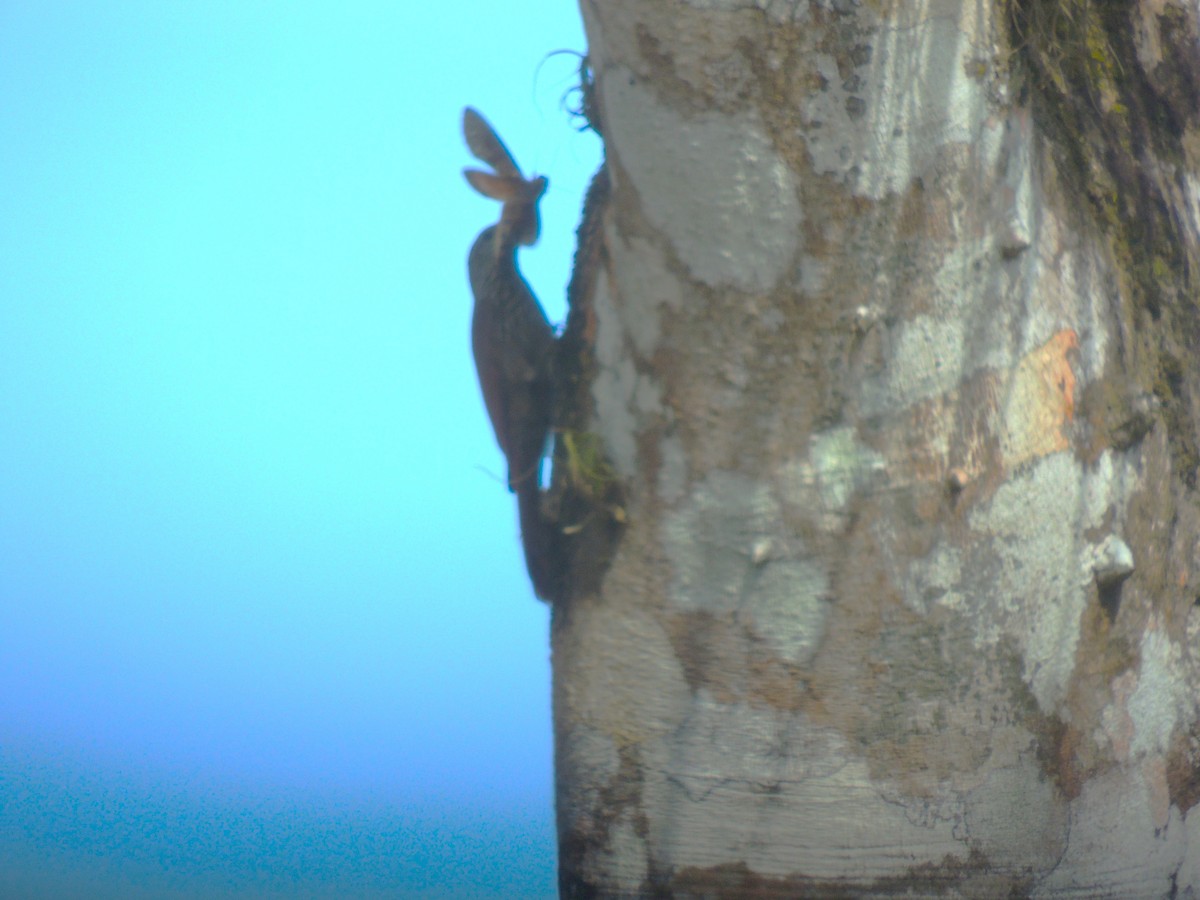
711 184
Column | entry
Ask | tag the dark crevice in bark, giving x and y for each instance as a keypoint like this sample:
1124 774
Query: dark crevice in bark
1110 599
586 500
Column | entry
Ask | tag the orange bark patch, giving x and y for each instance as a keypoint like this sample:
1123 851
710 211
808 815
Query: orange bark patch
1040 401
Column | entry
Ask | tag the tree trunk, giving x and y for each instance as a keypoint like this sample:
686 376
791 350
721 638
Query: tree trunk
879 472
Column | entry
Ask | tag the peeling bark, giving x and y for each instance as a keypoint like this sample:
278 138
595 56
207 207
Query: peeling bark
879 453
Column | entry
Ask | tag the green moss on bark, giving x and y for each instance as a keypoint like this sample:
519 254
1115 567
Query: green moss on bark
1123 136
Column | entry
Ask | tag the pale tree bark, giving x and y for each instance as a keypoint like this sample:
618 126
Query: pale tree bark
885 580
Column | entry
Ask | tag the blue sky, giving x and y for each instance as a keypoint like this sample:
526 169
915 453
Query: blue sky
264 627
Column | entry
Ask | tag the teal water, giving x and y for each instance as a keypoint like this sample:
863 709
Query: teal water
77 828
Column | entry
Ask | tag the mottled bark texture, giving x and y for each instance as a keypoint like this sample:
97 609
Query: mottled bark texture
886 324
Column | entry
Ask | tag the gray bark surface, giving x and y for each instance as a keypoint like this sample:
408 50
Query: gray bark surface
881 483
